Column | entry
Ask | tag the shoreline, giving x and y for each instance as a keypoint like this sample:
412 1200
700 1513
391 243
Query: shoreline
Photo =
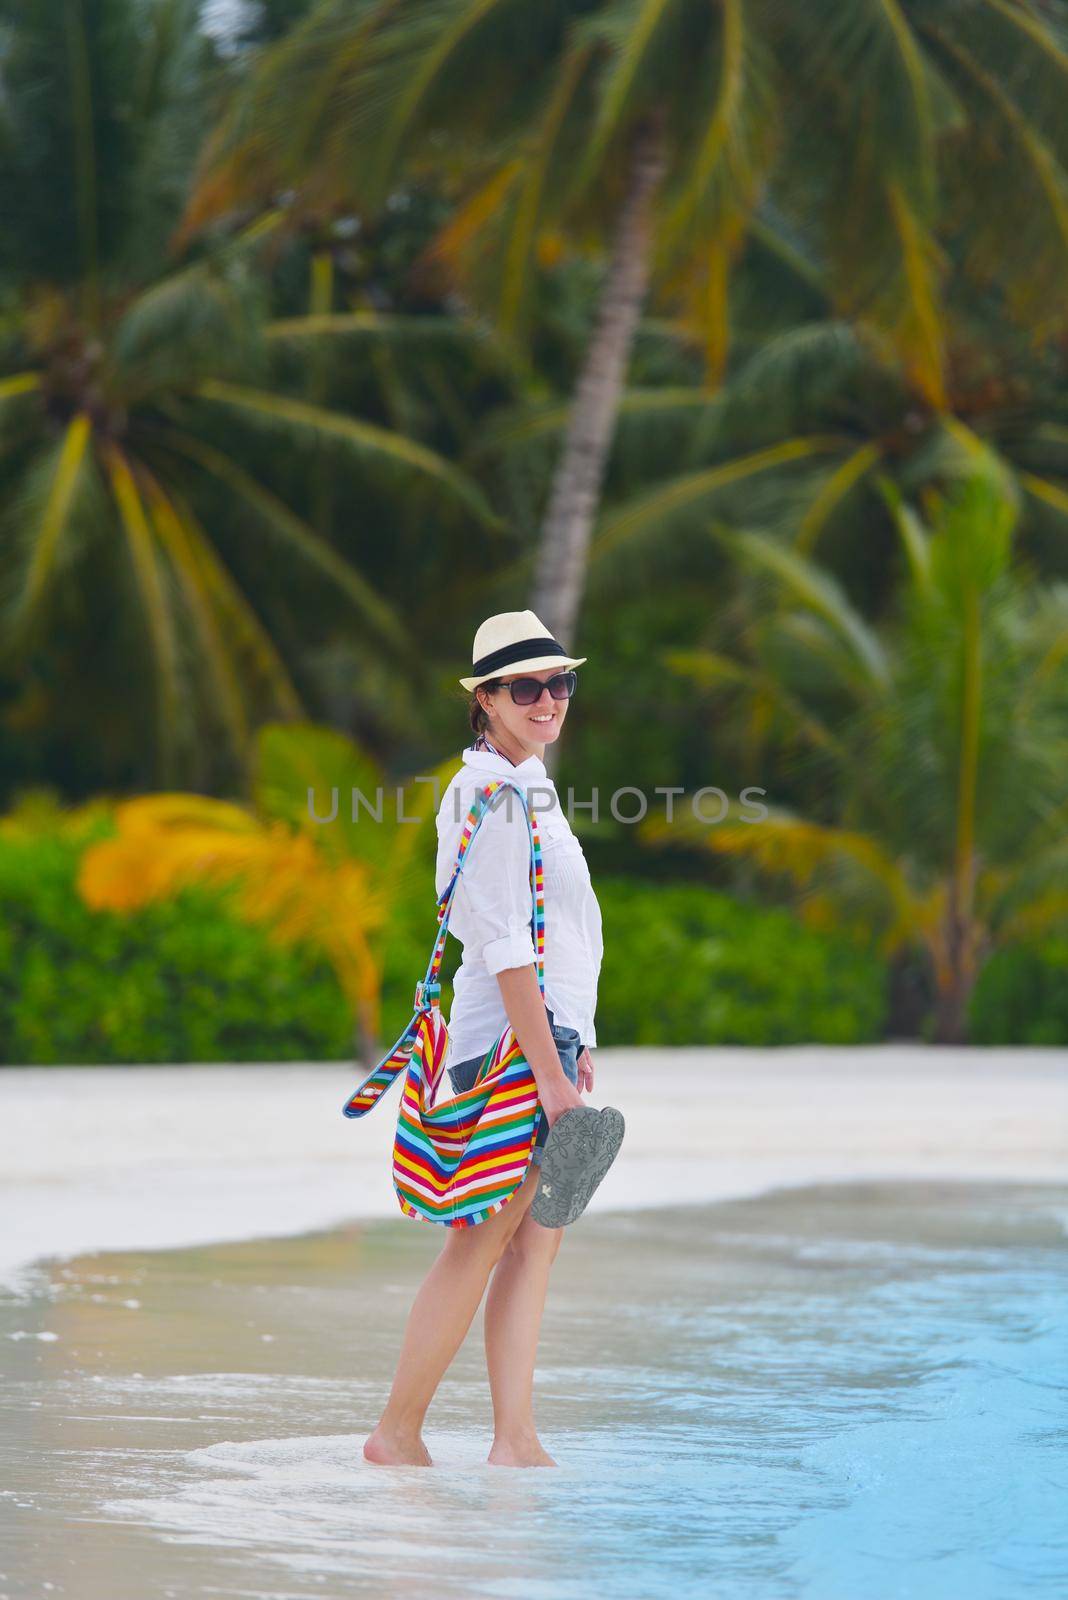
114 1158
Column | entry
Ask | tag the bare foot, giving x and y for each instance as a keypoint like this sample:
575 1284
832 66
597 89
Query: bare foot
519 1453
390 1450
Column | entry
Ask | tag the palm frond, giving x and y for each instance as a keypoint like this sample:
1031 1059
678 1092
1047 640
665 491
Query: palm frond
633 37
735 145
836 488
1018 224
526 423
187 325
1051 494
249 637
710 669
57 483
151 584
699 488
919 323
181 545
913 535
418 56
821 593
519 251
852 866
297 533
364 437
18 383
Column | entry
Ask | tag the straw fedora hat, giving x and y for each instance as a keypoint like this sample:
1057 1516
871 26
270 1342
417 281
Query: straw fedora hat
515 641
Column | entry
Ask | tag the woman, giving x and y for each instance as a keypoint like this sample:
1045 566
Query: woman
497 984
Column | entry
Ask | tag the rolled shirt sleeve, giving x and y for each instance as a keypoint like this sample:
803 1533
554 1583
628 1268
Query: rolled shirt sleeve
494 886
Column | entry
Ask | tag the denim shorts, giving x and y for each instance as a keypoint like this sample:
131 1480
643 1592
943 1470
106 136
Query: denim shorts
569 1048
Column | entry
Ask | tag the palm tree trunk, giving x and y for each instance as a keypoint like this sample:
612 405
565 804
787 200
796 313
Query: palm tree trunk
561 574
965 946
951 1011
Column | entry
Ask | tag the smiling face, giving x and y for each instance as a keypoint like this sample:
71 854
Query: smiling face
530 728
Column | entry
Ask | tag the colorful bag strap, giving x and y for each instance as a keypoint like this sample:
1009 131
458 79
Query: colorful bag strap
428 990
431 986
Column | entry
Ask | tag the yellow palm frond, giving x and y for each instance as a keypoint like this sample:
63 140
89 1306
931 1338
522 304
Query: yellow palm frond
919 326
144 557
280 879
54 519
244 626
452 242
799 850
181 543
838 485
19 383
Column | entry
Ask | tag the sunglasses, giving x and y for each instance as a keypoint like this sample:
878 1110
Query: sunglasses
527 691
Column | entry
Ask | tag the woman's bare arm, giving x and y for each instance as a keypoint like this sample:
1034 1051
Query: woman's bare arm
525 1007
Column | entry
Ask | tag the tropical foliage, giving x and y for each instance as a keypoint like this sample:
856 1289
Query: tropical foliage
880 152
148 404
941 742
321 858
694 322
184 979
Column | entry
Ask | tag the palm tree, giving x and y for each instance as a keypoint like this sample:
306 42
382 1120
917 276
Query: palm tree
941 739
827 412
885 144
145 402
307 861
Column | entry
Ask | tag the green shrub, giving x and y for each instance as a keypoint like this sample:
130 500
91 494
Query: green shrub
688 965
1021 996
183 980
187 980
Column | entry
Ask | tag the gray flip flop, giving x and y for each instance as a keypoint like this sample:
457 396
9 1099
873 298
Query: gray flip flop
580 1148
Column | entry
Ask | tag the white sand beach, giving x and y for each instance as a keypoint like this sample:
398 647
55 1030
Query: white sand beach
141 1157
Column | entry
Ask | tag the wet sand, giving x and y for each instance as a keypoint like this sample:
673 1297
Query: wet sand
840 1390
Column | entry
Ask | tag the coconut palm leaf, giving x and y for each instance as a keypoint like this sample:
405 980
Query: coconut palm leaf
530 422
151 582
182 544
365 438
54 486
698 490
19 383
834 492
248 637
820 593
302 539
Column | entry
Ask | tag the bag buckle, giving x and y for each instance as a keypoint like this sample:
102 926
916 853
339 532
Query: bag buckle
426 992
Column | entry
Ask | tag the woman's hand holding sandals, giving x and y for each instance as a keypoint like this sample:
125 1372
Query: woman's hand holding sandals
558 1097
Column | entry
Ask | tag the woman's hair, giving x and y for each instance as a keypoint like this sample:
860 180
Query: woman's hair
476 716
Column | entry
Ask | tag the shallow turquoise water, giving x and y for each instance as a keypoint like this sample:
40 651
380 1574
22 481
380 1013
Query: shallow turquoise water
842 1391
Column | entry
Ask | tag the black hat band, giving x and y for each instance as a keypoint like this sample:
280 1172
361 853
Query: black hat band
516 652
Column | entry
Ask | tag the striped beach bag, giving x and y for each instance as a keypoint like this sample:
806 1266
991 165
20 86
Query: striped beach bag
460 1161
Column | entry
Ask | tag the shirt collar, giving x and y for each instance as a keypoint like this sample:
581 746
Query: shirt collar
490 761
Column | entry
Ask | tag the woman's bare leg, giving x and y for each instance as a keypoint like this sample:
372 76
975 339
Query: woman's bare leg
441 1314
514 1307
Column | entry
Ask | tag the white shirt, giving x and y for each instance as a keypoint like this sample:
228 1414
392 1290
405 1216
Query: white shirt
492 904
